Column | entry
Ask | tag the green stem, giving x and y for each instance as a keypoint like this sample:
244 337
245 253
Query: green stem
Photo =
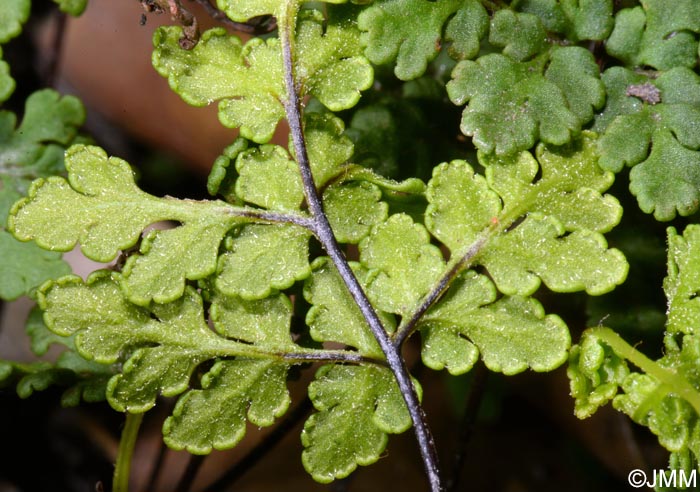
296 354
193 210
126 451
464 258
666 377
454 268
337 356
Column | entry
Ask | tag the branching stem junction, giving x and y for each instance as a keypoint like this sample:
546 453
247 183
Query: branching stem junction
327 239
